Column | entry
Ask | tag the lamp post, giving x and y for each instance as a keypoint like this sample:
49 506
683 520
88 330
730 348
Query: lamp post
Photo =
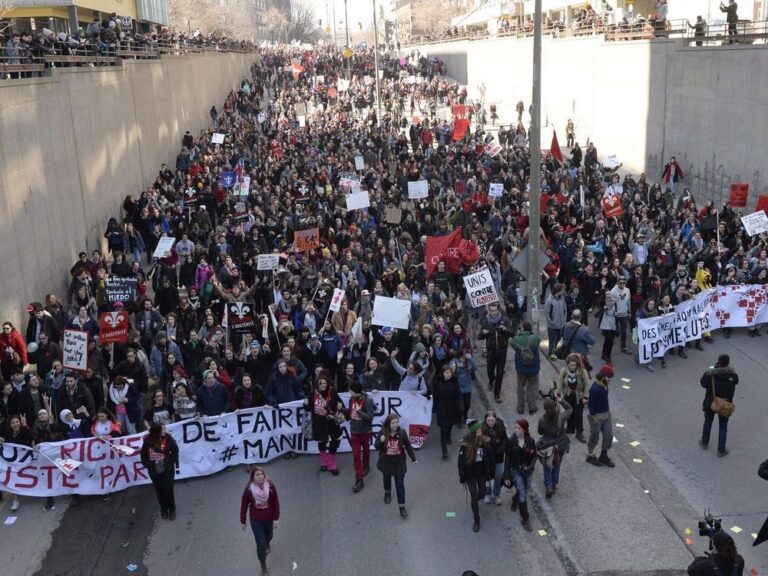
533 289
346 27
376 62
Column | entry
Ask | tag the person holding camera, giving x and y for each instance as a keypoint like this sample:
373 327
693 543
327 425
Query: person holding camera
721 559
732 18
720 383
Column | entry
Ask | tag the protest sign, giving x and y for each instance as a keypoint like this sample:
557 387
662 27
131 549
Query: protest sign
338 296
755 223
342 85
267 261
418 189
357 200
302 121
393 215
305 240
391 312
227 179
241 318
496 189
113 327
75 352
217 138
206 446
359 163
480 288
164 245
739 195
762 203
118 289
612 207
492 148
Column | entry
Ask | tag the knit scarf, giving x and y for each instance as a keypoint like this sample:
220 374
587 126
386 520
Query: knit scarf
260 494
117 395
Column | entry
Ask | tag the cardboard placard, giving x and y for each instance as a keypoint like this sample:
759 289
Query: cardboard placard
359 163
496 189
338 296
358 200
164 245
217 138
739 195
391 312
268 262
480 288
755 223
241 318
118 289
393 215
75 351
418 189
113 327
305 240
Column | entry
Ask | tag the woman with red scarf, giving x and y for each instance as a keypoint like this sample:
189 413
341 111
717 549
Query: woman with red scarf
260 498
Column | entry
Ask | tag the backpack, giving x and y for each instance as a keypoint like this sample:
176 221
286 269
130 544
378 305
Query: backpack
527 357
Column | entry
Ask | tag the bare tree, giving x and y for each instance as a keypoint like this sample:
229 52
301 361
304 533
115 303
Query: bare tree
303 24
277 22
5 17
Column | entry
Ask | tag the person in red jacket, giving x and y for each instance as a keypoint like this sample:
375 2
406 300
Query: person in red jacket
260 498
13 351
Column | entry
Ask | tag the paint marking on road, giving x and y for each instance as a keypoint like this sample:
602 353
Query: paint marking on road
10 520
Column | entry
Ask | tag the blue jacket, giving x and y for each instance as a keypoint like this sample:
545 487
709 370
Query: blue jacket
283 388
156 358
598 399
464 373
582 339
214 400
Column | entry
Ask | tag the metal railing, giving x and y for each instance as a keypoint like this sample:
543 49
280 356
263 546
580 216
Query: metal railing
28 62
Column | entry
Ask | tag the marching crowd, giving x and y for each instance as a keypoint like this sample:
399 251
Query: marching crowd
295 135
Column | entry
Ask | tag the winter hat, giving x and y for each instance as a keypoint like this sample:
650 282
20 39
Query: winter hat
386 330
605 372
523 423
356 387
418 348
473 425
255 345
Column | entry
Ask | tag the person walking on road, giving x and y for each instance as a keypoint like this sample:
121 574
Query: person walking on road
360 416
393 445
527 366
553 443
326 409
475 466
495 431
520 461
578 336
556 311
448 404
261 503
495 332
719 381
600 418
620 297
160 456
573 384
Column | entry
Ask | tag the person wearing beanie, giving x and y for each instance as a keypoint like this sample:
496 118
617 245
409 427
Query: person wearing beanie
718 381
600 418
554 443
475 466
519 463
360 416
722 559
448 405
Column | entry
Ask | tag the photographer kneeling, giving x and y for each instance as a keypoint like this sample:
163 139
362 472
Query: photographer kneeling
722 559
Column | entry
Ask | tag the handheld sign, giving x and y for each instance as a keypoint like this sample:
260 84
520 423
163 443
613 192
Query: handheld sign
75 353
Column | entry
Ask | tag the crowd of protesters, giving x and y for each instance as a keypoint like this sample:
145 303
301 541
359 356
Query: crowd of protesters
295 135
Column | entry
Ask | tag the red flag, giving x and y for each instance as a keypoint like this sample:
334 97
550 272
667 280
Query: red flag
762 203
297 68
460 128
113 327
469 252
554 148
445 249
612 206
739 194
459 111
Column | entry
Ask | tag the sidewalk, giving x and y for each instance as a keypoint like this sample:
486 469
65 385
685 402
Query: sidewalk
601 521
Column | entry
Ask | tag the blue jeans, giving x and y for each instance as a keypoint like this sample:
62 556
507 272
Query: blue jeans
498 473
552 475
399 487
262 532
522 484
709 417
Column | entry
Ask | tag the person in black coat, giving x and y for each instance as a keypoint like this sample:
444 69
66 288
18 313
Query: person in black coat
75 396
520 461
326 408
496 431
721 559
160 456
475 466
40 321
448 405
724 379
393 444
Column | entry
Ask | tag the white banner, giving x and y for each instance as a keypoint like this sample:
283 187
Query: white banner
496 189
217 138
391 312
755 223
267 261
480 288
206 446
342 85
418 189
75 353
358 200
719 307
338 295
164 245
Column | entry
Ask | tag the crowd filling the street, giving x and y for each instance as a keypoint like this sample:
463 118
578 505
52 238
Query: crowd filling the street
314 243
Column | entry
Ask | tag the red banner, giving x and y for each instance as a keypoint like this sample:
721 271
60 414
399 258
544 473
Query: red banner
113 327
554 148
445 249
460 128
459 112
739 194
762 204
612 207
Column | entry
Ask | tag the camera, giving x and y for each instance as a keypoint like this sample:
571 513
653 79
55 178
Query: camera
710 525
551 394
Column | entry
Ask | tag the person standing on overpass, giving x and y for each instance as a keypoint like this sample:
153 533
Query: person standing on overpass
732 18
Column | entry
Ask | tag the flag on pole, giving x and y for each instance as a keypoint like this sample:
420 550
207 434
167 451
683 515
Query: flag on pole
554 148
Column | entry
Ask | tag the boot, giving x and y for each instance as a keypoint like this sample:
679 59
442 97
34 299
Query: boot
514 504
264 571
323 461
331 461
476 525
698 345
359 484
580 437
605 460
445 453
525 518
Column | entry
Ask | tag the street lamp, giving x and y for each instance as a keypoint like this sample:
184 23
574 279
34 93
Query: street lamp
376 61
533 290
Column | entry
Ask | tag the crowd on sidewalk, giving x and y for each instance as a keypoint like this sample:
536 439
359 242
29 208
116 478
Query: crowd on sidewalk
293 132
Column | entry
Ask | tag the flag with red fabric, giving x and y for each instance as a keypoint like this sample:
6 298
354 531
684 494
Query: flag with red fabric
762 204
297 68
612 207
739 195
460 128
554 148
445 249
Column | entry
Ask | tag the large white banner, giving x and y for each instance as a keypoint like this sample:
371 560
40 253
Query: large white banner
206 446
391 312
719 307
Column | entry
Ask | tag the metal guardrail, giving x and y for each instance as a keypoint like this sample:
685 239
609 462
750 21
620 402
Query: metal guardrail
26 64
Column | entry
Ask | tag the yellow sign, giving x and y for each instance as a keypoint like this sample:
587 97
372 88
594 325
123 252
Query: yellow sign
347 53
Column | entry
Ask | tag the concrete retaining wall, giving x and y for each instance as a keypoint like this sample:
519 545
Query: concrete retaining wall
74 145
642 100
